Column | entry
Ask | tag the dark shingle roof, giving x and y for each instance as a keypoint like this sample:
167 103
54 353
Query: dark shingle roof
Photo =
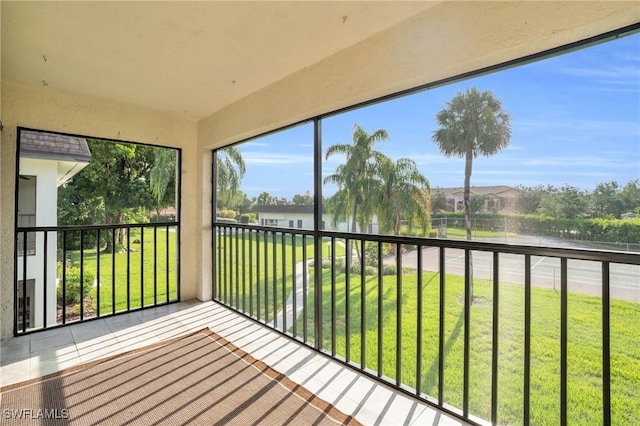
51 146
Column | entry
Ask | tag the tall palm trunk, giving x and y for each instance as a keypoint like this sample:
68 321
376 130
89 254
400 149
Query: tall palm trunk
467 211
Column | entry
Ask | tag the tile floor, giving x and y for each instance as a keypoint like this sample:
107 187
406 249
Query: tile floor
46 352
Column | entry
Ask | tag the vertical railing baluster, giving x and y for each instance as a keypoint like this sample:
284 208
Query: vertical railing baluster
141 267
99 307
333 296
128 269
606 344
219 264
244 273
250 272
380 308
215 260
468 285
64 277
347 299
274 279
304 285
527 341
441 332
363 305
294 287
563 340
399 248
45 277
419 322
494 339
230 255
81 275
155 265
167 263
284 281
258 275
25 253
113 270
226 260
237 266
266 276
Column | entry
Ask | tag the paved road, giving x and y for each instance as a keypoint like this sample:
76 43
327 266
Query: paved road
583 276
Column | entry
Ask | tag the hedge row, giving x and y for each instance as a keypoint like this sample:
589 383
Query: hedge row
602 230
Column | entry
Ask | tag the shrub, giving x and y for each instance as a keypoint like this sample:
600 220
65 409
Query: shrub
72 284
248 218
389 270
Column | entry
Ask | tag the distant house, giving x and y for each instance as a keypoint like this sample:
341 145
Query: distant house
300 216
167 214
46 162
501 199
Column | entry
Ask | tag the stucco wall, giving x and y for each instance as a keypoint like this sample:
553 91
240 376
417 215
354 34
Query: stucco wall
46 202
46 110
446 40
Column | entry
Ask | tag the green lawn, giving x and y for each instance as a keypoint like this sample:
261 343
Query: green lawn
261 291
140 275
584 346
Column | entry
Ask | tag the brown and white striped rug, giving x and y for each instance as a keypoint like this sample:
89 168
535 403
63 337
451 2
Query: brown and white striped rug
198 379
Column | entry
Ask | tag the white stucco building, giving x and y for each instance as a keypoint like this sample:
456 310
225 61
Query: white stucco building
46 162
300 216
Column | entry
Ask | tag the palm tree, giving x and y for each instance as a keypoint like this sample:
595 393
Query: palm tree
162 174
230 170
472 124
402 191
354 177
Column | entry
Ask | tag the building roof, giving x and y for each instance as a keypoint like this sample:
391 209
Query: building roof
52 146
285 208
500 190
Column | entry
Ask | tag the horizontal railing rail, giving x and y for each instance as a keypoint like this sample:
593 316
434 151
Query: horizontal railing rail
85 272
486 331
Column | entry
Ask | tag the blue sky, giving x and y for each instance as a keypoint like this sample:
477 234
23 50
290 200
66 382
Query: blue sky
575 119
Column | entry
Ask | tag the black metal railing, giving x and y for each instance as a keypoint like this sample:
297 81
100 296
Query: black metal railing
487 332
26 220
86 272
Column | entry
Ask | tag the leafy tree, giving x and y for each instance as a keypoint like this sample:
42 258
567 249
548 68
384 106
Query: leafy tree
266 199
606 201
439 202
567 202
230 170
473 124
400 192
116 183
630 197
302 199
162 177
354 176
529 198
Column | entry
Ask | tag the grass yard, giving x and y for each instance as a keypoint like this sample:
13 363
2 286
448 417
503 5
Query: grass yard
266 272
138 276
584 346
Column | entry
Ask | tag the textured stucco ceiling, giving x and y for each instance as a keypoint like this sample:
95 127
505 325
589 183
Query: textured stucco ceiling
191 58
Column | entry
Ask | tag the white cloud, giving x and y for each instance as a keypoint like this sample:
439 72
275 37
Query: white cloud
274 159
